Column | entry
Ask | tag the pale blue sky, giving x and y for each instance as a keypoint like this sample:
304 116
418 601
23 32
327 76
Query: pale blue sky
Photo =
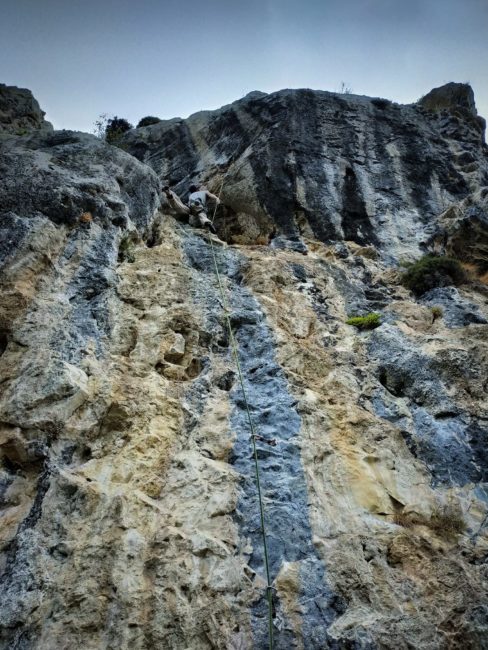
174 57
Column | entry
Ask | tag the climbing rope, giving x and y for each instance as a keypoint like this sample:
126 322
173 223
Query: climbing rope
269 592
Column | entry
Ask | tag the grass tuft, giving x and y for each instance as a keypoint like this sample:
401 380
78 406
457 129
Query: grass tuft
446 520
366 322
126 250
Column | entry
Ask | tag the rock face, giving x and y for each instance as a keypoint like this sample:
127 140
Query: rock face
457 99
327 166
129 513
20 113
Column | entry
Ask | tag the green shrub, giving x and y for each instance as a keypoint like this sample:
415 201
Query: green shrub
367 322
111 129
379 102
432 271
116 127
437 312
147 121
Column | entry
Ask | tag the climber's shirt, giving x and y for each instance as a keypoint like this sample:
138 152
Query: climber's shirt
198 200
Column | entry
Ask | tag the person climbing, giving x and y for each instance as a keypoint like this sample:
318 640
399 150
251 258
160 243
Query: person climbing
196 208
197 202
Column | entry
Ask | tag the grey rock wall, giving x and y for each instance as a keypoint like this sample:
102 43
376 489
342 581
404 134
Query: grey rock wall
129 507
327 166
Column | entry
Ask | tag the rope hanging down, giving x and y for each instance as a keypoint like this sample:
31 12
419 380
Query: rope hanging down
269 592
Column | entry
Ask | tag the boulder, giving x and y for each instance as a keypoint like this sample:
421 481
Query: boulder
20 112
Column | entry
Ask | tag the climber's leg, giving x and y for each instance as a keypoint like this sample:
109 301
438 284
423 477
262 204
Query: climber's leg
199 217
203 219
205 222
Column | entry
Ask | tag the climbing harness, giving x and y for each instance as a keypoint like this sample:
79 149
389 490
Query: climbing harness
254 436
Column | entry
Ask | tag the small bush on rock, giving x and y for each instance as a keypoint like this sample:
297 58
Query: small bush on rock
116 127
432 271
446 520
437 312
111 129
367 322
147 121
379 102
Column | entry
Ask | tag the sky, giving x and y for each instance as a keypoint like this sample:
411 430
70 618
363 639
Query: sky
171 58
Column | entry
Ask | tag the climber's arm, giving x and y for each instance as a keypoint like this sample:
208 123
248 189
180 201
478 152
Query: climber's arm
176 203
212 197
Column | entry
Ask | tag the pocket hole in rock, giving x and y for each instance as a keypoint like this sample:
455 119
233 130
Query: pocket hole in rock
194 369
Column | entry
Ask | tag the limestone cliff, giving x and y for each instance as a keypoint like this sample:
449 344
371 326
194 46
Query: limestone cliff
129 509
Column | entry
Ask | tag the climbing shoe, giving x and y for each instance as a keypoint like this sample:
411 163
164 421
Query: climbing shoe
209 225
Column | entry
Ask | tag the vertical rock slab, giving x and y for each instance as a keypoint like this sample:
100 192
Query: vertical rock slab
129 513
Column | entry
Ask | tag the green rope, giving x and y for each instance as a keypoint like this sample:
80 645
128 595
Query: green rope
269 592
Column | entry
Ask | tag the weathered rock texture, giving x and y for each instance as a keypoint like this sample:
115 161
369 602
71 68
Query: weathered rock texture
327 166
129 510
20 112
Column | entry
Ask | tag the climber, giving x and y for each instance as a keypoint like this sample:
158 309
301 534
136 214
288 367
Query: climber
196 208
197 202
